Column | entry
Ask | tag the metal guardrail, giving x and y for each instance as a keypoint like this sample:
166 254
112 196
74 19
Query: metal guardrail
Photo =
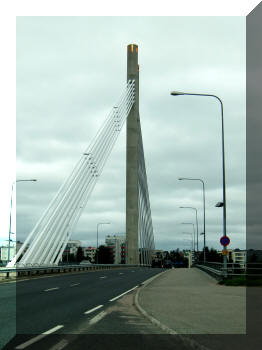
40 270
233 269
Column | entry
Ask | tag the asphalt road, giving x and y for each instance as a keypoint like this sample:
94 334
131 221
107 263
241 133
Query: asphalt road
64 301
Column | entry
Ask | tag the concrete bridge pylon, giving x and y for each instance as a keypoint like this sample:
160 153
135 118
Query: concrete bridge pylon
132 161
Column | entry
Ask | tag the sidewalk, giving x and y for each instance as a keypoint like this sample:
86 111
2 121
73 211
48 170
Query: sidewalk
189 301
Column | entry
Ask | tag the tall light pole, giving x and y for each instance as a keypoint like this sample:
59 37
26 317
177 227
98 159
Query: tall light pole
191 234
190 223
9 237
178 93
204 210
196 220
100 223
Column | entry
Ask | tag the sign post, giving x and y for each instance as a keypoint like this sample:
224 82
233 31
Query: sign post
224 241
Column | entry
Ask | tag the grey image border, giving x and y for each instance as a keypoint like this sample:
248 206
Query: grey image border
253 233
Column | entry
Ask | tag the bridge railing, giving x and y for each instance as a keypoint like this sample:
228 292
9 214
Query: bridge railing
233 269
35 269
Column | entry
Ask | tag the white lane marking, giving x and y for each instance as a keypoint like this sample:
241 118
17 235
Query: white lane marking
119 296
103 277
74 284
52 330
121 273
60 345
97 318
50 289
94 309
37 338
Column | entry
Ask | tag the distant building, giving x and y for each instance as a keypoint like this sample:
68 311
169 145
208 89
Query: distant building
4 252
71 248
157 257
239 257
117 245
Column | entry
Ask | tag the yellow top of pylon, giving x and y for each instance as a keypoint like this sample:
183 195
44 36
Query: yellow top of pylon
132 48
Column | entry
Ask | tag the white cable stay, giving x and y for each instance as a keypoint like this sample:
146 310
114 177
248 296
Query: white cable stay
46 242
145 226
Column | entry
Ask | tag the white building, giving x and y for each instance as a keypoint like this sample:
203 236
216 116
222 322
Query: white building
116 244
239 257
71 248
4 252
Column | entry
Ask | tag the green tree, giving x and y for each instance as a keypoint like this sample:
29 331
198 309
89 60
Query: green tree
79 254
104 255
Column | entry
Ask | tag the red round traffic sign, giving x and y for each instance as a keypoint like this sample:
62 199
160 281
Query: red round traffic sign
224 240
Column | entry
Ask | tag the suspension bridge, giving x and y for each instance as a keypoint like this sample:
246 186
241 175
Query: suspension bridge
46 242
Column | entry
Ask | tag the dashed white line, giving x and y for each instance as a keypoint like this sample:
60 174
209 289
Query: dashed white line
97 318
119 296
50 289
39 337
121 273
74 284
52 330
103 277
94 309
60 345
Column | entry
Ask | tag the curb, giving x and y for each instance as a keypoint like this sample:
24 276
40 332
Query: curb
192 343
144 313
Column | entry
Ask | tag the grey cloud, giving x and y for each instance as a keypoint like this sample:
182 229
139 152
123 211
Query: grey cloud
71 71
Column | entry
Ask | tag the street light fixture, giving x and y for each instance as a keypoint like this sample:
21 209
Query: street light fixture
178 93
100 223
196 220
9 236
204 209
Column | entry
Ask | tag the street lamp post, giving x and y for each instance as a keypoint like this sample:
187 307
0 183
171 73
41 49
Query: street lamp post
193 253
196 221
100 223
204 210
190 223
191 234
178 93
9 236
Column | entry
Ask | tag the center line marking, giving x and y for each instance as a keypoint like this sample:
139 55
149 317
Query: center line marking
95 308
119 296
48 290
37 338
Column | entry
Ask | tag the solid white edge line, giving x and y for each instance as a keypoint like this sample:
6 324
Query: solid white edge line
95 308
97 318
38 337
113 299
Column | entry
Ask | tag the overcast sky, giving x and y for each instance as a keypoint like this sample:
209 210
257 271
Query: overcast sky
71 71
